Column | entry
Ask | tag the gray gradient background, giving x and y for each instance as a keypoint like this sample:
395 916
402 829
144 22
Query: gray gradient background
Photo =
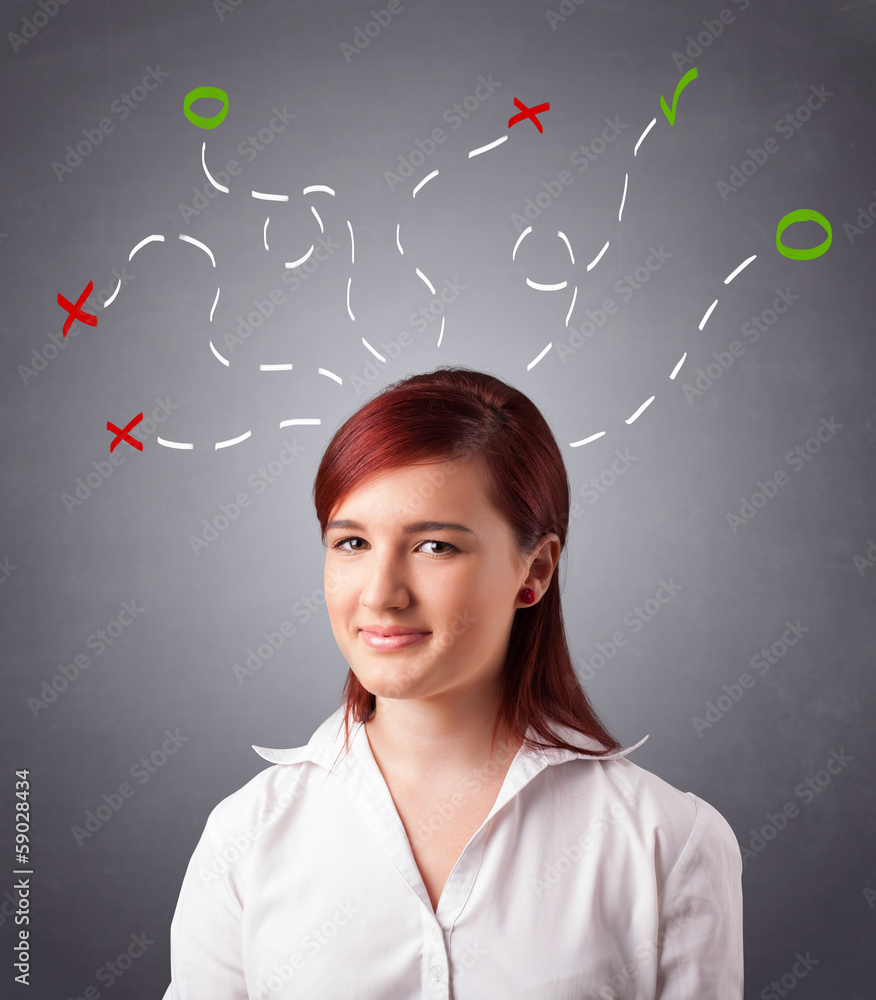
665 517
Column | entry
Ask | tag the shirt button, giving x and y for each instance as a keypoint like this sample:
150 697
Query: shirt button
436 933
437 972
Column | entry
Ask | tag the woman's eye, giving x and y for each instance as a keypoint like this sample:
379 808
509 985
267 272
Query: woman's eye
431 541
343 542
434 541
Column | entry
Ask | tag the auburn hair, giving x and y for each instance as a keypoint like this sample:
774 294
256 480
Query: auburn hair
458 413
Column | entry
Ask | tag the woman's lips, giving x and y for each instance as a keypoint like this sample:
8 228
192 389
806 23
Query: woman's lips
388 642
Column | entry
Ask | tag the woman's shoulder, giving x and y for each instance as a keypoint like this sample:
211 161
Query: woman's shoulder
267 797
615 784
274 791
682 825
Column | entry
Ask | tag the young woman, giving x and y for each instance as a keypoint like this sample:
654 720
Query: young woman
477 832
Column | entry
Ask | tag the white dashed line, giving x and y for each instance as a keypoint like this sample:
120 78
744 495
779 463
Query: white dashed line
232 441
224 361
295 421
174 444
708 314
425 180
301 260
142 243
525 232
640 410
429 284
377 355
642 136
743 265
533 363
598 257
114 294
200 245
483 149
546 288
215 183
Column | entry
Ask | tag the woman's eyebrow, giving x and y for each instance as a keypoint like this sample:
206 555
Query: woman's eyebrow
410 529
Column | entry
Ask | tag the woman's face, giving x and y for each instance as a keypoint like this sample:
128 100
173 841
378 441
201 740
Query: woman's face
459 586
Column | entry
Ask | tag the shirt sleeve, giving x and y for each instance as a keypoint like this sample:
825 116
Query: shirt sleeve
699 943
206 950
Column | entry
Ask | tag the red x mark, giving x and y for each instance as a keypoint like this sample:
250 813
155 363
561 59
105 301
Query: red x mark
124 433
526 112
75 311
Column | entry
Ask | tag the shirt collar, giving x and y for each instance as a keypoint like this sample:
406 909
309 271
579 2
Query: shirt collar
327 743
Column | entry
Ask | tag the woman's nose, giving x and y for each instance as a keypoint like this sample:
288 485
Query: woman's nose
385 584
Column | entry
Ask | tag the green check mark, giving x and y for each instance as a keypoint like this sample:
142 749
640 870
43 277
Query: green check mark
691 74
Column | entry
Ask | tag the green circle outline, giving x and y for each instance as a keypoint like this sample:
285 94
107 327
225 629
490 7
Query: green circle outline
803 215
200 120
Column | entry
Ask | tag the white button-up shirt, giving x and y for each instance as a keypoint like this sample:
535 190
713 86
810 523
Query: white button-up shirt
590 879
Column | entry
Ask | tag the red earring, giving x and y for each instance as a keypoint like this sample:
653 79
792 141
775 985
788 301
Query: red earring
527 595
